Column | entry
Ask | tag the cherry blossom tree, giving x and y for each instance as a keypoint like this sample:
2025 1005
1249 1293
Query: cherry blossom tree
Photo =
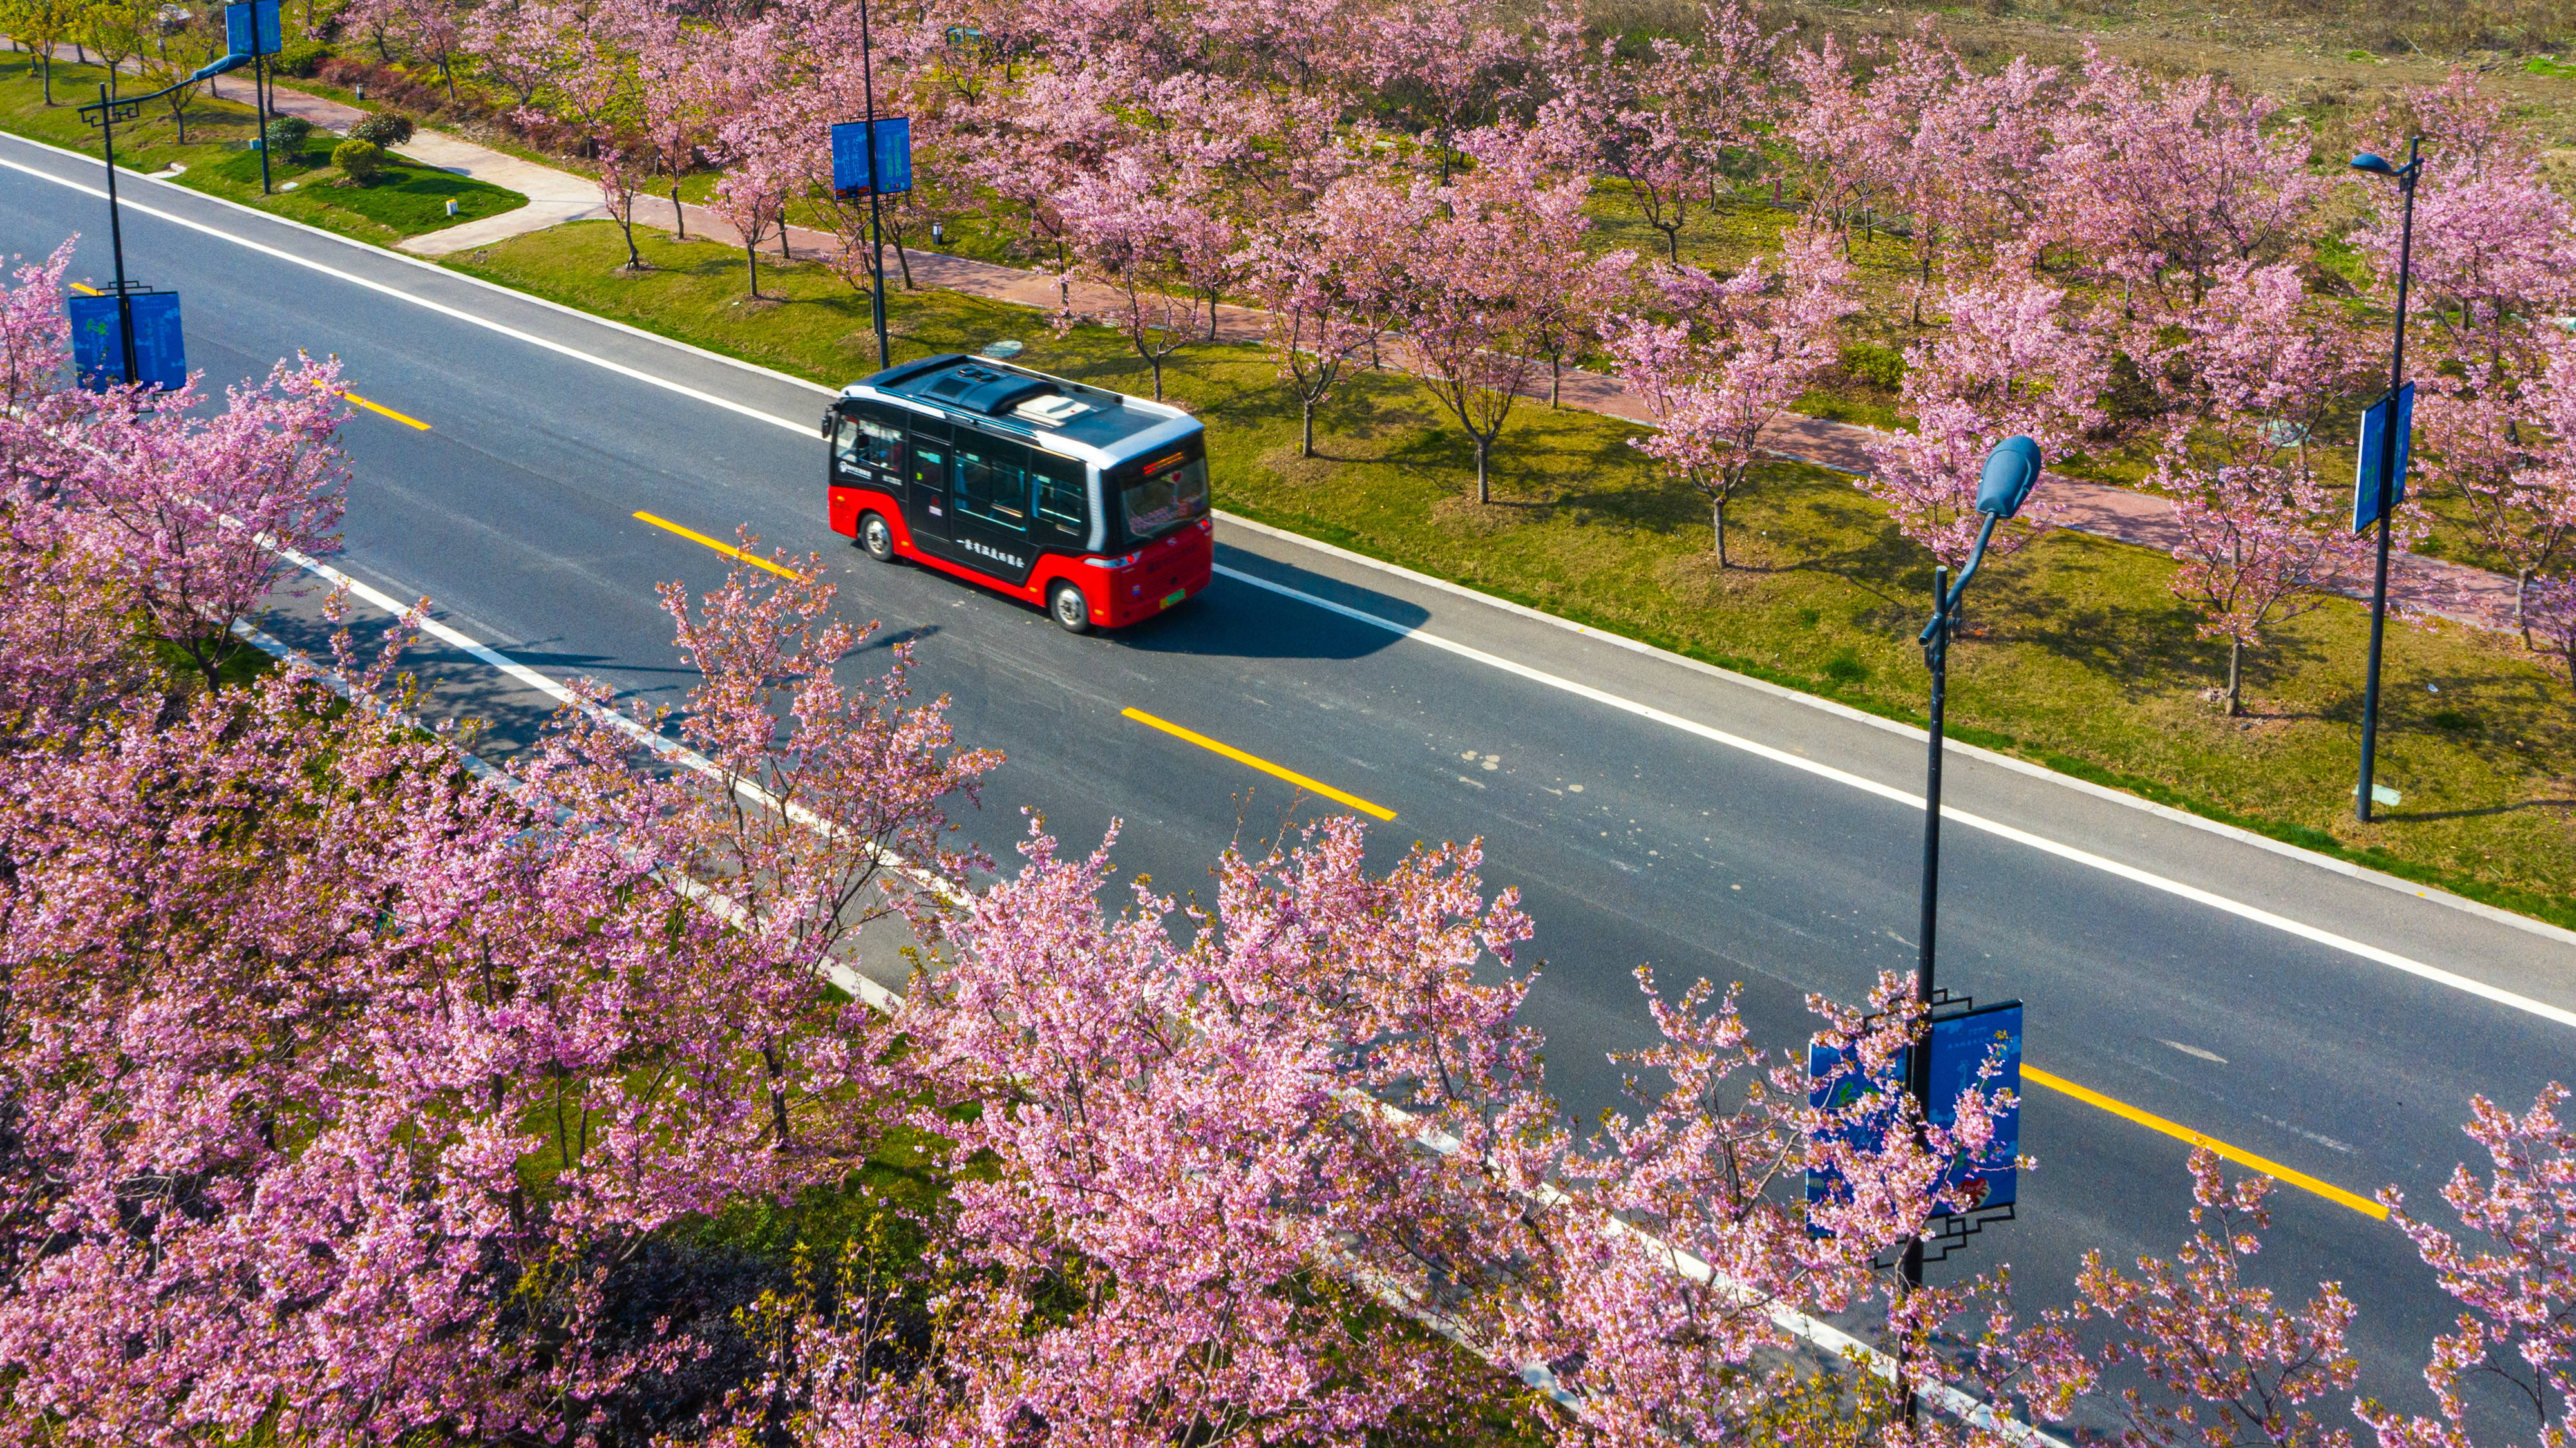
2010 363
1145 236
359 1089
1741 351
1474 314
2230 1362
191 508
2162 185
620 176
1327 283
2509 1270
2262 542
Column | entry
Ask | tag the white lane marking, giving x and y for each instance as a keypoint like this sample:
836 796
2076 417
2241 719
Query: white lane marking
387 289
2153 881
2193 1051
2131 873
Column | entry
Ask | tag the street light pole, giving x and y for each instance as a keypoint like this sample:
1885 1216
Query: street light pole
2011 471
876 242
2389 438
116 232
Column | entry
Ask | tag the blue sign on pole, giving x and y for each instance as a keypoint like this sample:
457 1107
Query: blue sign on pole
885 168
251 27
1961 1046
2365 477
98 351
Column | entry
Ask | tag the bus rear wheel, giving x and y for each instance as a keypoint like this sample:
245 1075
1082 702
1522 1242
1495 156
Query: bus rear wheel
1070 608
876 537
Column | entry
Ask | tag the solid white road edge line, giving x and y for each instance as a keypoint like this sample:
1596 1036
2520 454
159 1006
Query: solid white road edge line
2328 938
1959 1404
538 681
1845 711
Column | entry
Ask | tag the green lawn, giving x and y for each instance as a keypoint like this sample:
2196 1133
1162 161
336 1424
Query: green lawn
406 201
2084 660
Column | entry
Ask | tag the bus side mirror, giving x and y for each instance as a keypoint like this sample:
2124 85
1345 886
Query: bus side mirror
827 426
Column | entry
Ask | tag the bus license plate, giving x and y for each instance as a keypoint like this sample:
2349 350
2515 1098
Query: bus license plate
1175 596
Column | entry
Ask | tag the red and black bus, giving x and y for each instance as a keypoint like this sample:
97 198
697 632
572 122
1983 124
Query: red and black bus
1091 504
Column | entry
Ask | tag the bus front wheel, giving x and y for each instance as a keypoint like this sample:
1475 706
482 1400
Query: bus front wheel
1070 608
876 537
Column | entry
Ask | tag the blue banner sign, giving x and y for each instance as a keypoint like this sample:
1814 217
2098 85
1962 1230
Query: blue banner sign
885 168
2374 432
251 27
1961 1045
98 352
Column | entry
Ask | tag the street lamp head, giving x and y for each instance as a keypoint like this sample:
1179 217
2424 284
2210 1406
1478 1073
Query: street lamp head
2375 164
2011 471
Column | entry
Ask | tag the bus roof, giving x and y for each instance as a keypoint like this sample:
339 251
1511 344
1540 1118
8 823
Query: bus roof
1064 415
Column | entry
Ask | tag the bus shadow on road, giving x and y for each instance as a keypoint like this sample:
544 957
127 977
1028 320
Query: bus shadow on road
1235 619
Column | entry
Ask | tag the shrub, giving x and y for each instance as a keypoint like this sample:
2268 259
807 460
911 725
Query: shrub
301 58
361 161
384 128
287 134
1879 366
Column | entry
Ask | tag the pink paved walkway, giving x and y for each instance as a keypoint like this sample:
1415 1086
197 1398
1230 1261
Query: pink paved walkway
2417 584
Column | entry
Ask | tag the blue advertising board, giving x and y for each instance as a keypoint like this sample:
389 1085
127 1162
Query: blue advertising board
251 27
1961 1045
2365 476
885 168
98 353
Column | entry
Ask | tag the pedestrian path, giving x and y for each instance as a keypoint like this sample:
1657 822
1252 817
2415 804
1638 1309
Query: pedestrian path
2416 584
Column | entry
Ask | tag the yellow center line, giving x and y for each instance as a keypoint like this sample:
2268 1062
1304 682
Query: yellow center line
2180 1132
1264 765
724 548
381 410
87 291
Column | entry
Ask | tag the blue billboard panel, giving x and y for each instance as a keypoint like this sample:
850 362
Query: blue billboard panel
98 352
251 27
885 168
2365 476
1961 1045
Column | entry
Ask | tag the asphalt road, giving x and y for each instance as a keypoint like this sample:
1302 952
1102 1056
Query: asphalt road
2171 966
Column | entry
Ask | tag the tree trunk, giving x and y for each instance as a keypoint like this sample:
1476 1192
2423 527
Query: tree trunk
679 216
1555 378
1672 241
1717 514
752 255
626 223
1156 363
48 71
2521 585
2235 677
903 260
1306 427
1484 488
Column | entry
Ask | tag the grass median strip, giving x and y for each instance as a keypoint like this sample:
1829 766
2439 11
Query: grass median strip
2180 1132
1257 762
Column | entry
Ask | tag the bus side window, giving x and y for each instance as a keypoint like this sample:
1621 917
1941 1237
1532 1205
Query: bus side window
991 488
1062 500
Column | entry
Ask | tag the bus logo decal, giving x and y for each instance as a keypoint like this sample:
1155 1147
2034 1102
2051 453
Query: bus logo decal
996 554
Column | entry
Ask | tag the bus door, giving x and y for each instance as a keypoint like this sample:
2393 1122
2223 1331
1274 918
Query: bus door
991 506
926 504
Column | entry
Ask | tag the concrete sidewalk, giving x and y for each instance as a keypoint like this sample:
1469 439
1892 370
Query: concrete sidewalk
2416 584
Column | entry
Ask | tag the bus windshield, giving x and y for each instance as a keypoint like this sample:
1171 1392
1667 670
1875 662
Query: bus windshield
1171 489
